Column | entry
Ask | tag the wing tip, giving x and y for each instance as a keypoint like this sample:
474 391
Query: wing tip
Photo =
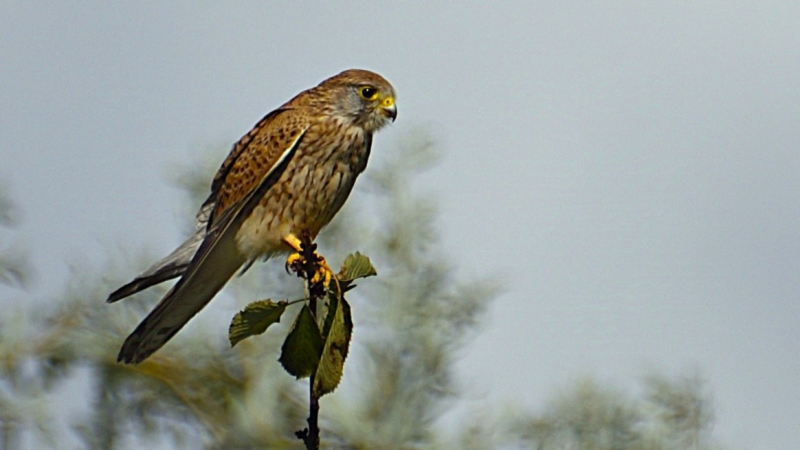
130 351
131 358
146 340
118 295
124 358
143 282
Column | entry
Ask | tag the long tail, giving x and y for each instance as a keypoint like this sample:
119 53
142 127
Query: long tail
173 266
212 266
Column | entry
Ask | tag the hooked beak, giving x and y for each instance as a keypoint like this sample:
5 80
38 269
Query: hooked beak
388 108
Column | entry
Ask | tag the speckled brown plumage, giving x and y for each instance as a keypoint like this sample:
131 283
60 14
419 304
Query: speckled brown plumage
291 173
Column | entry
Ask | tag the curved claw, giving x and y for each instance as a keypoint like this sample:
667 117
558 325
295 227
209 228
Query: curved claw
293 258
323 274
290 261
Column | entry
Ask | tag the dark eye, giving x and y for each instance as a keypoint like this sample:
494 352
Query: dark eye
368 93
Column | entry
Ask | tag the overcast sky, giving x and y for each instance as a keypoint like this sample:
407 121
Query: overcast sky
634 166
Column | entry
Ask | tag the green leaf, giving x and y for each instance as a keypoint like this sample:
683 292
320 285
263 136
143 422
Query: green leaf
356 266
302 348
254 319
339 330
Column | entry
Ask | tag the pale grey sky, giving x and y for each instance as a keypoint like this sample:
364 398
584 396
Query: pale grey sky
633 165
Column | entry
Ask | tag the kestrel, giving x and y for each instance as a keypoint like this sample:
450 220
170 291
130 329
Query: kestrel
290 174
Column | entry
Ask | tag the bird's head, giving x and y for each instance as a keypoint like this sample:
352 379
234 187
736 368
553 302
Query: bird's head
360 97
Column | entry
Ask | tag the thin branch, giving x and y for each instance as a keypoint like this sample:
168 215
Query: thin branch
308 267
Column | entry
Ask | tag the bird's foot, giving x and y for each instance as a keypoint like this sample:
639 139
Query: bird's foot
323 273
306 260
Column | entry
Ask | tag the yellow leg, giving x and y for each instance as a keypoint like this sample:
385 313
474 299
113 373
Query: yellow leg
325 274
293 242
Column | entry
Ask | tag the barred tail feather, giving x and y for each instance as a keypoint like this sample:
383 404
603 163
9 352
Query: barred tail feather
173 266
212 267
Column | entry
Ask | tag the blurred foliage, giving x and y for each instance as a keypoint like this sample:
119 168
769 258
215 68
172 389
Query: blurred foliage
410 323
15 268
671 414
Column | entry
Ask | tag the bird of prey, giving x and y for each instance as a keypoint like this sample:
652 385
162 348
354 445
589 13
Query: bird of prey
289 175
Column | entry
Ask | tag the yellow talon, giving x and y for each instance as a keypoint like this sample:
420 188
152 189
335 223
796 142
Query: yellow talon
294 257
324 272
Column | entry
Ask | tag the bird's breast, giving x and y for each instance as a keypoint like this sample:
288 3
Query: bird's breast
309 193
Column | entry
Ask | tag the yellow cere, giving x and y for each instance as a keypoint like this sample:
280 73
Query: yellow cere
388 102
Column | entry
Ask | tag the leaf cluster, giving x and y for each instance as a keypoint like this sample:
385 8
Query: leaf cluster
311 347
